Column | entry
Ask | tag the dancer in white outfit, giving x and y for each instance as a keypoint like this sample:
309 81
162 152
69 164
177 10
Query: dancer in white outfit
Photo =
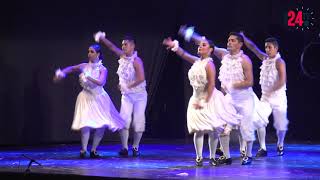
132 85
273 86
94 108
236 80
207 111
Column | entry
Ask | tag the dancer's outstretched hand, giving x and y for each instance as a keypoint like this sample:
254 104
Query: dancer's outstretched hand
59 75
168 42
182 30
98 35
187 32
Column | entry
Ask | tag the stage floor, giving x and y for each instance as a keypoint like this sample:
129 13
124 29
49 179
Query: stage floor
161 161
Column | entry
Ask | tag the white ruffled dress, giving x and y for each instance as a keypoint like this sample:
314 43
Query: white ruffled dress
216 113
94 107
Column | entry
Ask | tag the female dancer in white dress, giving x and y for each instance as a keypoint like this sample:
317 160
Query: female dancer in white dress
133 89
94 108
236 78
207 111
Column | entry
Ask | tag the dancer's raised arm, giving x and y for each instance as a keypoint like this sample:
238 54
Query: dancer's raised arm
174 46
189 34
60 74
253 47
100 37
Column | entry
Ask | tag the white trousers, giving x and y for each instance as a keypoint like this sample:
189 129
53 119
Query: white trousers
278 103
134 104
243 101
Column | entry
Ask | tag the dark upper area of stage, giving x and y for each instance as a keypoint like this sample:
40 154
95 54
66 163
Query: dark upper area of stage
37 37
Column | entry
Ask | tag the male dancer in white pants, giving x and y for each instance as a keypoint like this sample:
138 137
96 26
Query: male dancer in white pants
132 85
273 86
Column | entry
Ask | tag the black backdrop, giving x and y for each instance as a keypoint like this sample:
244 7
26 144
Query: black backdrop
37 37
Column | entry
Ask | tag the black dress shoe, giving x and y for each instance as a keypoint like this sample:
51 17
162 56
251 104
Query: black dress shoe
199 162
246 160
213 162
123 152
280 150
135 152
83 154
224 160
262 153
242 154
94 154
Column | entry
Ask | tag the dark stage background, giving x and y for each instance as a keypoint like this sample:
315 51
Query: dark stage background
37 37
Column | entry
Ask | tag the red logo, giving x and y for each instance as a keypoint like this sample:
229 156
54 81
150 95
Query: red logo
301 18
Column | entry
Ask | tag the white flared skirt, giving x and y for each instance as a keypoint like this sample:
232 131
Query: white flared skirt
213 116
96 110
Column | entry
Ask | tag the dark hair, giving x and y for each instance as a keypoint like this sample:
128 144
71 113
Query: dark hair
97 48
203 38
211 44
273 41
129 38
238 35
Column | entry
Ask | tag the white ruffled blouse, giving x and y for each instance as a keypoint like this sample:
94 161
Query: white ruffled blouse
231 69
127 74
269 74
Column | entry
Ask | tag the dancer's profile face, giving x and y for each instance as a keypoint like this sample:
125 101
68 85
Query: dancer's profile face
92 54
233 43
127 47
271 49
204 48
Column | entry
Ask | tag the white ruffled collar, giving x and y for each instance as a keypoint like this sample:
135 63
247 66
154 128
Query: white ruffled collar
276 57
207 58
235 56
134 55
97 64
